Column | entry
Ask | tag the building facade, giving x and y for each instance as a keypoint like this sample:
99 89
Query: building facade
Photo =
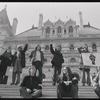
67 34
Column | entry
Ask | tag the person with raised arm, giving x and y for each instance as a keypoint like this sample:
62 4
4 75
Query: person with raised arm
18 63
56 62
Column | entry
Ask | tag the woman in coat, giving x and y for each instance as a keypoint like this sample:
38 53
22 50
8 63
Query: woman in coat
18 63
6 60
68 85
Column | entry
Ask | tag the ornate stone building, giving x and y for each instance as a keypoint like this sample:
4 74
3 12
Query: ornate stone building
69 35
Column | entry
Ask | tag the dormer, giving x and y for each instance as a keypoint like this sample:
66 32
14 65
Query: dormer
59 23
71 22
48 23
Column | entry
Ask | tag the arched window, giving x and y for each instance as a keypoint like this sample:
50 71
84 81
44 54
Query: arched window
48 30
46 47
70 29
59 29
53 31
64 31
94 47
72 60
71 47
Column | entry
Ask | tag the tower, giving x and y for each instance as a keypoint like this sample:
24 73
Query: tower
14 25
40 21
81 20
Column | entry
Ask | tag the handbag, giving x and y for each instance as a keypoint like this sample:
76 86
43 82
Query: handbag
5 79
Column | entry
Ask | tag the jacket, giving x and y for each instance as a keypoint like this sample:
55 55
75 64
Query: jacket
31 82
33 54
23 62
57 57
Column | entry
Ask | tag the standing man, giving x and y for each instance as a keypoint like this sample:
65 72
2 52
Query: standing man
37 57
56 62
84 68
6 60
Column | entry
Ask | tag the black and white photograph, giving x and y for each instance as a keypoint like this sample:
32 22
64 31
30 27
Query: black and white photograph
50 50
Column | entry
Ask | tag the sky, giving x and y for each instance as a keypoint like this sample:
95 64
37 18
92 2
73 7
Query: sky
27 13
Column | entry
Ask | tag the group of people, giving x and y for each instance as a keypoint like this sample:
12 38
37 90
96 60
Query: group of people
31 86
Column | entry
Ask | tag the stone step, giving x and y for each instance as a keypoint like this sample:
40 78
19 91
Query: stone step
49 91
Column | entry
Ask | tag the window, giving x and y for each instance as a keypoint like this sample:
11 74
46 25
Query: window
48 30
70 29
64 31
59 29
53 31
71 47
46 47
94 48
72 60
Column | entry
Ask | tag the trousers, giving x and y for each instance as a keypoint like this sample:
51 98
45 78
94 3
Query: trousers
25 94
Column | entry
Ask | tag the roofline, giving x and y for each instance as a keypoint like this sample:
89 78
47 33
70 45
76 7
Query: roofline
26 31
23 32
95 27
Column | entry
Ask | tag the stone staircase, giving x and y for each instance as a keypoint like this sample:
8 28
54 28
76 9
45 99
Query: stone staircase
49 91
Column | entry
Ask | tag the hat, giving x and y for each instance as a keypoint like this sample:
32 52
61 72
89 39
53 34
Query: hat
19 46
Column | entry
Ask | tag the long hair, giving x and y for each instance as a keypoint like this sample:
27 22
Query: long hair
86 47
37 46
70 75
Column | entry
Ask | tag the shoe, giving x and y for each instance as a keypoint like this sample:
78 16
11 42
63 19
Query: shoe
54 84
89 84
1 82
12 84
16 83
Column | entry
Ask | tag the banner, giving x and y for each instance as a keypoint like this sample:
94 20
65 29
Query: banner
91 59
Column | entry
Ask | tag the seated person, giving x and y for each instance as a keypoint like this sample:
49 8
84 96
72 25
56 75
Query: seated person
68 85
31 86
96 84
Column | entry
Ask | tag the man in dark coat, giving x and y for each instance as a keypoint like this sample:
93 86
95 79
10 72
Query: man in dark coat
31 86
56 62
84 68
6 60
